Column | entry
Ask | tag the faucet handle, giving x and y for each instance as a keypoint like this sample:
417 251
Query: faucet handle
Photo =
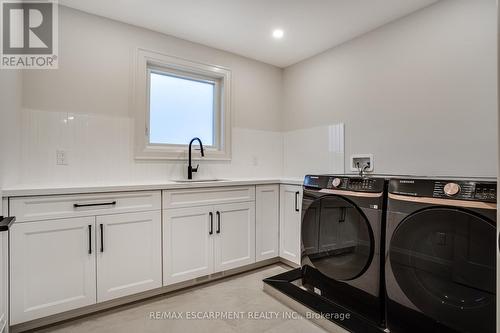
196 169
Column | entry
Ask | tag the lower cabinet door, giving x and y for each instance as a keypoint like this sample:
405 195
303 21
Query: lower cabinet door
290 214
188 236
52 267
128 254
234 235
266 221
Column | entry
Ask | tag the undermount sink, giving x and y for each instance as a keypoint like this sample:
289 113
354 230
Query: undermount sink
198 180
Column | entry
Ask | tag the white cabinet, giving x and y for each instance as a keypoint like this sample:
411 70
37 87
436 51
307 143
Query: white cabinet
61 264
206 239
52 267
4 310
290 219
267 221
187 243
128 254
234 235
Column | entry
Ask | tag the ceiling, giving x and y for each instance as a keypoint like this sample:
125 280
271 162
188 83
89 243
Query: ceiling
245 27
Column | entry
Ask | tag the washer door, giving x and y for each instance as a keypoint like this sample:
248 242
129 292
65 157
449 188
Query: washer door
444 261
336 237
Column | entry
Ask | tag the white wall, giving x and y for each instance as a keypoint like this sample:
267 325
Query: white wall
316 150
10 115
84 107
419 93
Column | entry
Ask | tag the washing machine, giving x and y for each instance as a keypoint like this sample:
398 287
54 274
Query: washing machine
342 224
441 255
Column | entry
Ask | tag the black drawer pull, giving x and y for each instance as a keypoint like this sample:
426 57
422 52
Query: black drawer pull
102 237
90 239
95 204
211 232
297 201
218 222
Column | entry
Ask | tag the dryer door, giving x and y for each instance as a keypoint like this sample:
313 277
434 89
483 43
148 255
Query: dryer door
336 236
444 261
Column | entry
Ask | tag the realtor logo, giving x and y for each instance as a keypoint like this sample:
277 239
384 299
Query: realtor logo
29 34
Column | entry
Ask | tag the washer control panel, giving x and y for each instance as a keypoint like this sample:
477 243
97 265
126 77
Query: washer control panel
485 191
354 184
345 183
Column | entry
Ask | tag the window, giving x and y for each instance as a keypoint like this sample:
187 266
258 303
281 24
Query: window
177 100
181 108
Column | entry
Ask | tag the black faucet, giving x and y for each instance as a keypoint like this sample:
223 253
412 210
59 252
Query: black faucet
190 168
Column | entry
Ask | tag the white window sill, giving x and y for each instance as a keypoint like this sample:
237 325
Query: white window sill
181 154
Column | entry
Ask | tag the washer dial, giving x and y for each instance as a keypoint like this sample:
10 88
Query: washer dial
451 189
336 182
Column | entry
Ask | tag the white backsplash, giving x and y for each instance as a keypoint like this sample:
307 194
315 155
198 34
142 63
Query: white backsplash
316 150
99 150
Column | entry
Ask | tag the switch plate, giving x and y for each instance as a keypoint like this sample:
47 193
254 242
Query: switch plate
61 157
362 159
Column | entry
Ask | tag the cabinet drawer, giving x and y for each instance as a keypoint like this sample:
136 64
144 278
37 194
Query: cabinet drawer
207 196
54 207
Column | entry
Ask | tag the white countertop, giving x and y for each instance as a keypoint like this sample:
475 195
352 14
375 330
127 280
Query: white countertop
26 190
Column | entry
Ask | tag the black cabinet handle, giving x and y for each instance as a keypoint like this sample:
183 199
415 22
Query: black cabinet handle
90 239
211 232
102 236
297 201
218 222
113 203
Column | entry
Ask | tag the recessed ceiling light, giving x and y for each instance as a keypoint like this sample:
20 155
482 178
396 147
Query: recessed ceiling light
278 33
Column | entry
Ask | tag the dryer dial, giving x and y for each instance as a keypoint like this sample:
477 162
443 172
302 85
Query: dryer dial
451 189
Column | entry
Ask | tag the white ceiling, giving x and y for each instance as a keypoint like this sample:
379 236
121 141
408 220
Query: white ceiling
244 26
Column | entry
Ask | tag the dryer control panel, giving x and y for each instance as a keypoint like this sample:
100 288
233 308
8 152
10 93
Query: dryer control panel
473 190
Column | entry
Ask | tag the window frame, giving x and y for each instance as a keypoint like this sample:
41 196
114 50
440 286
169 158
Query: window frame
147 62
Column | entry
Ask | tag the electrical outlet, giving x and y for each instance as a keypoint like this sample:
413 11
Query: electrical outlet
61 157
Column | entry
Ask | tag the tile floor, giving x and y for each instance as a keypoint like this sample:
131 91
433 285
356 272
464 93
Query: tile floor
241 293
